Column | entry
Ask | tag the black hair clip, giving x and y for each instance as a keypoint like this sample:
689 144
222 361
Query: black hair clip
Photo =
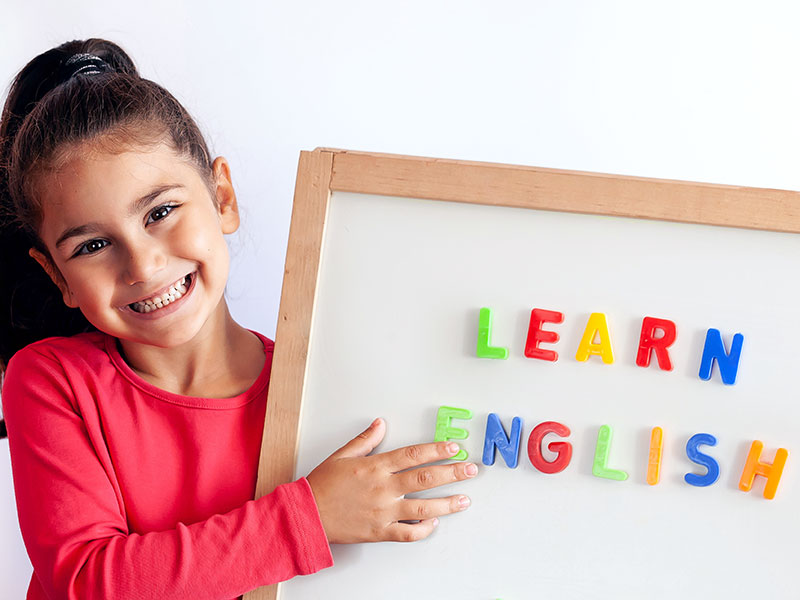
84 64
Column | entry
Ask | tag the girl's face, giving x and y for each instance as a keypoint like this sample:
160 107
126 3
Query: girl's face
137 241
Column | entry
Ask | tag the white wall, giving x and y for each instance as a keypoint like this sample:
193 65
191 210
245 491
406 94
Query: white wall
674 90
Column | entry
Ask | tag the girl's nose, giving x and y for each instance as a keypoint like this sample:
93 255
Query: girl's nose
144 260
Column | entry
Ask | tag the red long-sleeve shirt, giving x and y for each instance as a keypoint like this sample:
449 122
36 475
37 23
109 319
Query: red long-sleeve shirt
128 491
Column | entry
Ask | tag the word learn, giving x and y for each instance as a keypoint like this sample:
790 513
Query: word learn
656 337
508 444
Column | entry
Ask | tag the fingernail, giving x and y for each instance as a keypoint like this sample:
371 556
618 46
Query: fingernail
471 469
464 502
435 522
375 422
452 448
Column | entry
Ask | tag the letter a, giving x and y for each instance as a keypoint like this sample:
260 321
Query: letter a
596 326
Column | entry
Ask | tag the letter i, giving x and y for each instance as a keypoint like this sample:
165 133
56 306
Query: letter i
654 457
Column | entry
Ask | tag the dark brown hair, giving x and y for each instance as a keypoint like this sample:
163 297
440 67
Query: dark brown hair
48 114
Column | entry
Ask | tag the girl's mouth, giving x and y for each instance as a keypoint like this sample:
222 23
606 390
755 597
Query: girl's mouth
175 292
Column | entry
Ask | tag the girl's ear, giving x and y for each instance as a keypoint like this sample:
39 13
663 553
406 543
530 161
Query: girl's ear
226 197
54 274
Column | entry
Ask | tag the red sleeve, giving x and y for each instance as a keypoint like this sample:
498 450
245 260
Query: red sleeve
74 526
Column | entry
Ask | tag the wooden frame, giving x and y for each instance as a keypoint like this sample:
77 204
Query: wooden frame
324 171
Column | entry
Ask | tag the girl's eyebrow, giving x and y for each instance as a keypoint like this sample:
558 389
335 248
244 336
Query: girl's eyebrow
141 203
136 207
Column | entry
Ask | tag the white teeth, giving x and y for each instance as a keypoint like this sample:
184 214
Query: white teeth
175 291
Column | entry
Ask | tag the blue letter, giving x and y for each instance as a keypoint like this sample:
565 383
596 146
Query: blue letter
715 349
496 438
702 439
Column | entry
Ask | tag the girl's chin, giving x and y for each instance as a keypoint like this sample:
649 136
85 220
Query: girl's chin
173 340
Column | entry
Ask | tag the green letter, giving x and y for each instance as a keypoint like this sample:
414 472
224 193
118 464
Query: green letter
485 350
600 466
446 432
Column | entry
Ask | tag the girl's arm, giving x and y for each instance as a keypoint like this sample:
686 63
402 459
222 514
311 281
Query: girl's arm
73 521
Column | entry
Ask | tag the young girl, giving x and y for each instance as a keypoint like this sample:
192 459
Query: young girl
135 411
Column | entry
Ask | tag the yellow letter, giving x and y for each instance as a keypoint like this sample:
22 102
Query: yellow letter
596 326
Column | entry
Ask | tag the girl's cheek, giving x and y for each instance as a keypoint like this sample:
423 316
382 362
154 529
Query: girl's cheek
208 235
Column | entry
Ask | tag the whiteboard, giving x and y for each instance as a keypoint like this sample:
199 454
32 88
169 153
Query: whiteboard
399 287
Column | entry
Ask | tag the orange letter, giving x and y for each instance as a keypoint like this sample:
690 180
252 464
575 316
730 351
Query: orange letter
754 467
654 458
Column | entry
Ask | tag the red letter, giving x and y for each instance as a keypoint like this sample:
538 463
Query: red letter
563 449
537 336
648 341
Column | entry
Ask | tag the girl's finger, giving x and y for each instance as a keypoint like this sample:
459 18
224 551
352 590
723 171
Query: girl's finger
410 532
419 454
364 442
425 478
422 509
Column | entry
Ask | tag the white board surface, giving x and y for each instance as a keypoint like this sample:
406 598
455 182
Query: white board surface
394 331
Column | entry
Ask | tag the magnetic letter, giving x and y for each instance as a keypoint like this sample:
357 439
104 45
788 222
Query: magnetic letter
754 467
596 326
715 350
496 438
601 452
485 349
701 439
562 449
654 457
446 432
649 342
538 336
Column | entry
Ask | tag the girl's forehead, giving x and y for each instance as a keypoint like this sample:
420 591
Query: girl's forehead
99 183
137 160
96 170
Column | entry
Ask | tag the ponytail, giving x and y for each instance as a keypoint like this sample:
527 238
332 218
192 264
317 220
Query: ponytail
50 110
31 307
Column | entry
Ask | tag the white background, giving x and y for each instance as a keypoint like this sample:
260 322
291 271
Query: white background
703 91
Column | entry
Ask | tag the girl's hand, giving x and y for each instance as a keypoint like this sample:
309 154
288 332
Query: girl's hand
362 498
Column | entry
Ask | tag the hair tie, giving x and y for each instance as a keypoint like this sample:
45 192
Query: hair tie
84 64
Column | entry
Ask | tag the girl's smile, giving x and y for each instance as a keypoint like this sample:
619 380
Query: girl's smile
165 301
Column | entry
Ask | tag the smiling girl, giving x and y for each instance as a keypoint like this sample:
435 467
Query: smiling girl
134 402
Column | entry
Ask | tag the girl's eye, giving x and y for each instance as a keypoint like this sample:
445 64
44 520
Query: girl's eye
91 247
159 213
